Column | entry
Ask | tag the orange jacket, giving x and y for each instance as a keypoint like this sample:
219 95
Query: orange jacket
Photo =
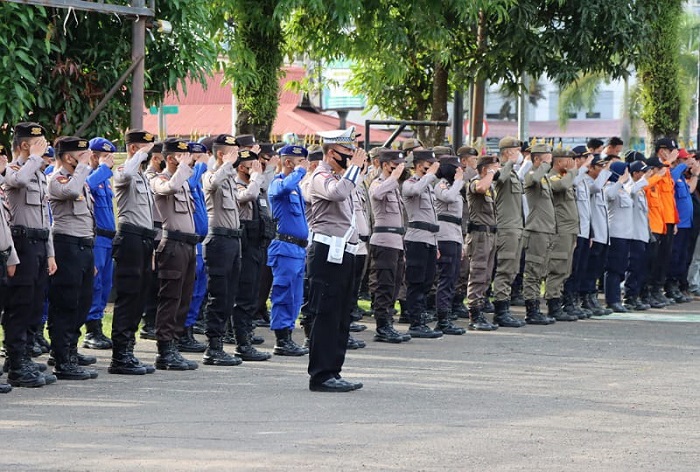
656 217
668 200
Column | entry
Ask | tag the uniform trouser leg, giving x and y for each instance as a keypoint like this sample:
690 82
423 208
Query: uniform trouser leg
660 264
199 291
329 297
222 257
481 250
70 295
463 272
637 268
176 272
360 267
448 273
420 273
508 248
287 291
102 284
694 268
306 317
26 295
248 285
579 264
537 247
265 287
594 268
560 261
133 256
615 267
678 267
384 267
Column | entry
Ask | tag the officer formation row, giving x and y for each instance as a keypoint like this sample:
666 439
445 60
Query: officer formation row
213 220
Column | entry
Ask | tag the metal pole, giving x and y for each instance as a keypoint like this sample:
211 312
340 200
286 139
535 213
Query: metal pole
162 131
457 119
523 122
367 130
697 134
138 49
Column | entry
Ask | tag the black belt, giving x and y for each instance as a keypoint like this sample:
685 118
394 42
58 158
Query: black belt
84 242
30 233
364 239
424 226
226 232
450 219
291 239
181 237
483 228
158 224
137 230
107 233
389 229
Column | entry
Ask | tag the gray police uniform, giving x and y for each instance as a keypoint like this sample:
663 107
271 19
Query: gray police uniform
621 229
449 207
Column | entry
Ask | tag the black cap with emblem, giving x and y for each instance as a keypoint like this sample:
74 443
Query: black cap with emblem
246 155
66 144
136 136
29 129
174 145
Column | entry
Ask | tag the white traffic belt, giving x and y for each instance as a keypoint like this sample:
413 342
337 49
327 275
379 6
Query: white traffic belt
323 239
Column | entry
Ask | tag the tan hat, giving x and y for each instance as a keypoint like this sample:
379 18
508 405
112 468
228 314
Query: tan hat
509 142
540 149
562 153
467 151
410 144
374 152
443 151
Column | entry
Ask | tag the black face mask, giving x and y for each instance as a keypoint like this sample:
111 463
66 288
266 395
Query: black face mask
162 165
496 175
405 175
344 159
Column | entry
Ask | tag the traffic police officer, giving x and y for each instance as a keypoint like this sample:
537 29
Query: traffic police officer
70 290
420 241
176 258
101 161
332 260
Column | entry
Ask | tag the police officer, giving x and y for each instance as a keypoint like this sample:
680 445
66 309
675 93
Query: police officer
176 258
481 240
561 178
26 196
101 162
621 220
468 157
331 259
639 254
187 342
222 248
133 252
70 290
286 255
387 262
448 205
420 241
509 218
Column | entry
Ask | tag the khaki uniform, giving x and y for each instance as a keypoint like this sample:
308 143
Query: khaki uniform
481 242
461 289
540 230
566 213
509 212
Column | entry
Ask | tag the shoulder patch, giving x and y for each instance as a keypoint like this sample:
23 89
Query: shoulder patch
62 179
554 178
443 186
15 167
163 177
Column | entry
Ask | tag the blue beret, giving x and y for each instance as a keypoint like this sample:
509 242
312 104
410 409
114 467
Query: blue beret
290 150
579 150
196 148
50 153
100 144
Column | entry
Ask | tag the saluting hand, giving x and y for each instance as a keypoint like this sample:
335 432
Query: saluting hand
255 166
625 176
185 157
255 149
459 174
231 156
142 153
84 157
359 156
38 147
274 161
108 160
396 173
433 168
303 164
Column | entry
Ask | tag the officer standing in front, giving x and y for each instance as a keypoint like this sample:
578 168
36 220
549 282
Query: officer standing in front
176 258
70 290
331 259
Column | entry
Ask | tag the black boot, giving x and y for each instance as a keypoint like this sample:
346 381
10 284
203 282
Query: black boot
593 297
488 307
168 358
446 326
578 303
459 309
200 326
355 343
516 296
150 369
419 328
41 340
83 360
404 316
569 306
587 302
215 354
94 337
357 328
188 343
148 329
246 351
229 337
617 307
307 334
533 315
22 373
386 333
66 368
285 346
122 363
503 317
477 320
554 310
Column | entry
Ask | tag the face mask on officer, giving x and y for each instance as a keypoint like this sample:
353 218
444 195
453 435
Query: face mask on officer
521 158
405 175
344 158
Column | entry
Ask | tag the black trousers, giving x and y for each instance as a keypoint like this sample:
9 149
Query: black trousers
680 256
330 299
579 266
246 304
70 295
615 268
448 274
386 273
594 270
222 256
133 257
420 273
360 263
659 265
26 294
637 269
177 262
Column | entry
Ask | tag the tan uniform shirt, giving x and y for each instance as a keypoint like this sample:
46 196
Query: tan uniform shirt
248 194
173 199
331 203
221 197
71 202
387 210
509 198
26 192
564 199
134 197
538 191
482 206
419 200
359 201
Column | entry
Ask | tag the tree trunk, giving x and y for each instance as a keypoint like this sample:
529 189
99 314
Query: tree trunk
436 134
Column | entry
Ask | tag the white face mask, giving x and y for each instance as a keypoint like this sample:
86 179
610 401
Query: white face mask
521 158
211 163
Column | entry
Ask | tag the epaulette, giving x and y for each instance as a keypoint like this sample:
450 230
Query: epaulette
555 177
163 177
15 167
62 179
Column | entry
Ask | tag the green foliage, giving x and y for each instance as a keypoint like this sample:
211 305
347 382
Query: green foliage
580 94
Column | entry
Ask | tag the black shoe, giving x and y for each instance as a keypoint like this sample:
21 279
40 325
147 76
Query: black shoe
261 323
42 341
187 342
421 330
538 319
387 334
617 307
5 388
447 327
356 343
480 323
41 367
148 332
590 303
168 357
199 327
23 374
150 369
354 385
556 312
357 328
70 371
215 355
508 321
123 364
81 359
96 341
333 385
256 340
534 316
488 307
285 346
249 353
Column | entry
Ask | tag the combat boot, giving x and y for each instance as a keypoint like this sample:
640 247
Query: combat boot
446 326
503 317
593 297
488 306
578 303
459 310
215 354
94 337
588 303
122 363
66 368
150 369
41 340
148 330
229 337
569 306
673 292
555 311
285 346
246 351
419 328
168 358
83 360
534 316
187 342
23 374
478 322
355 343
357 328
404 315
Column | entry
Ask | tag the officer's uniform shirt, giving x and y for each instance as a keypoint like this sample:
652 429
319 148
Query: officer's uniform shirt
359 201
482 206
419 200
387 210
221 197
134 197
564 200
6 241
248 193
173 199
640 210
71 202
151 173
305 186
448 201
101 191
26 194
509 198
538 191
469 174
332 207
599 207
288 208
522 171
200 207
583 202
620 210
